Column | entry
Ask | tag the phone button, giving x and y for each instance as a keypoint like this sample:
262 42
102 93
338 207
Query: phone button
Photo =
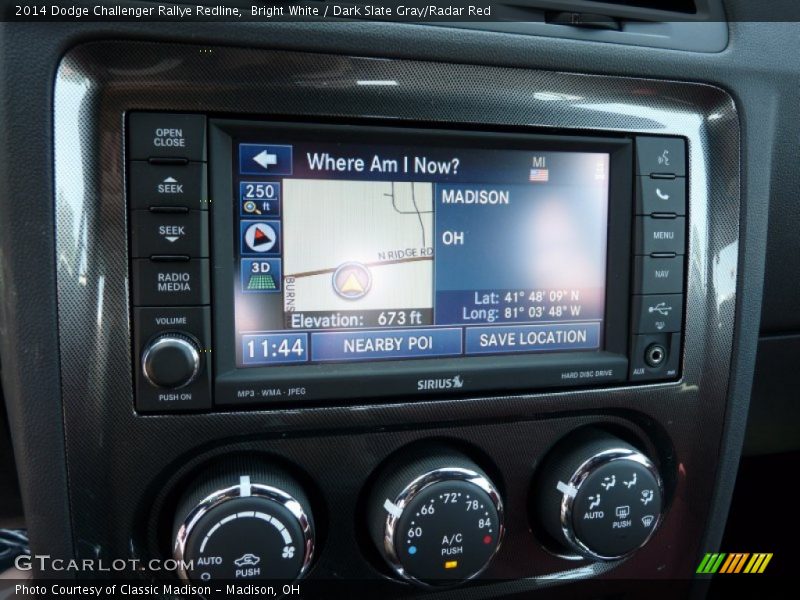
654 196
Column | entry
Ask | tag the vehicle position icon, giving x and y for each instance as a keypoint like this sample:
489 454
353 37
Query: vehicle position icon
352 280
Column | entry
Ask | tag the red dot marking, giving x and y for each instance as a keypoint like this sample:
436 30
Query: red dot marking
487 539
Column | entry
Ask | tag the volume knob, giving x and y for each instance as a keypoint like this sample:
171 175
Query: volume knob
171 360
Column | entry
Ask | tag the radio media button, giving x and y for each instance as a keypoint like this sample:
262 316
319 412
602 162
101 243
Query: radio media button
171 282
183 233
660 156
657 275
166 135
660 196
168 185
660 235
657 313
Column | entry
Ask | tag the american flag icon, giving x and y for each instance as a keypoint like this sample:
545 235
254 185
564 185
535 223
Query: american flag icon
539 175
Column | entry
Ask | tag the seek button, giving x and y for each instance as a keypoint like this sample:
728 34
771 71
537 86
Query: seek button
154 233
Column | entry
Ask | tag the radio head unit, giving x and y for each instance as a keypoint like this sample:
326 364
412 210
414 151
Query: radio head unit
360 261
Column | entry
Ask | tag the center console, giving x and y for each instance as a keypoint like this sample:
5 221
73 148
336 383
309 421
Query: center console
356 320
508 261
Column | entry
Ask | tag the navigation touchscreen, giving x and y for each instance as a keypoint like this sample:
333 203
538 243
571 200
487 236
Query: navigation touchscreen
355 252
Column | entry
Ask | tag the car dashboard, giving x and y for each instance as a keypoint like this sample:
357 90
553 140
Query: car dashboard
402 308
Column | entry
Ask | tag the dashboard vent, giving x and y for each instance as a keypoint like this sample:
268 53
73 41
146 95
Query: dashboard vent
678 6
634 10
689 25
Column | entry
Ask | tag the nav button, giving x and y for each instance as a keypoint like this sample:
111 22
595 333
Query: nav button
657 275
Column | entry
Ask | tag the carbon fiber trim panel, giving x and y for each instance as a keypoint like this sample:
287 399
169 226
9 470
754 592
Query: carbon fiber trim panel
119 462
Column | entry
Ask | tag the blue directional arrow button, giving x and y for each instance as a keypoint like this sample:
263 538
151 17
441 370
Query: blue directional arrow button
265 159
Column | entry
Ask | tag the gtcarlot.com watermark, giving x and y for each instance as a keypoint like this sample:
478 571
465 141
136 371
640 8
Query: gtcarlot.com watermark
45 562
155 567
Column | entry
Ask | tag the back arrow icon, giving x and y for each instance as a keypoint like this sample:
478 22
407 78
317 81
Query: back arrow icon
265 159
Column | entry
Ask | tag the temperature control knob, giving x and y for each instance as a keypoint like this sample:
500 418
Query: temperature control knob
171 360
251 523
599 496
436 518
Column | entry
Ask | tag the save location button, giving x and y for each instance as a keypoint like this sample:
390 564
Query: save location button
371 345
533 338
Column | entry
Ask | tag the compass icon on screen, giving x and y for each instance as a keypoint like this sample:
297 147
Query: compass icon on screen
260 237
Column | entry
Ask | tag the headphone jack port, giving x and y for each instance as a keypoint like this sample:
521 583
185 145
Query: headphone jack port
655 355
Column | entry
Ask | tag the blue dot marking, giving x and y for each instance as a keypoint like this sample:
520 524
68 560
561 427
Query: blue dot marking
412 549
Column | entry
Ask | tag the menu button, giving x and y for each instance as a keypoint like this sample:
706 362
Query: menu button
658 235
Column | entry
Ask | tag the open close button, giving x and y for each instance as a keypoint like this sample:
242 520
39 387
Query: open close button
167 135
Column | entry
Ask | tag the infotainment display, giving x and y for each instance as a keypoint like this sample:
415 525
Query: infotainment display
381 251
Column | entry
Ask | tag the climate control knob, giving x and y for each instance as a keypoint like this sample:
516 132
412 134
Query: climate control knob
171 360
436 517
599 496
244 524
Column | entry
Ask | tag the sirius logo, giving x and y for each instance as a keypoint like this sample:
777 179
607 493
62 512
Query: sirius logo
440 384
